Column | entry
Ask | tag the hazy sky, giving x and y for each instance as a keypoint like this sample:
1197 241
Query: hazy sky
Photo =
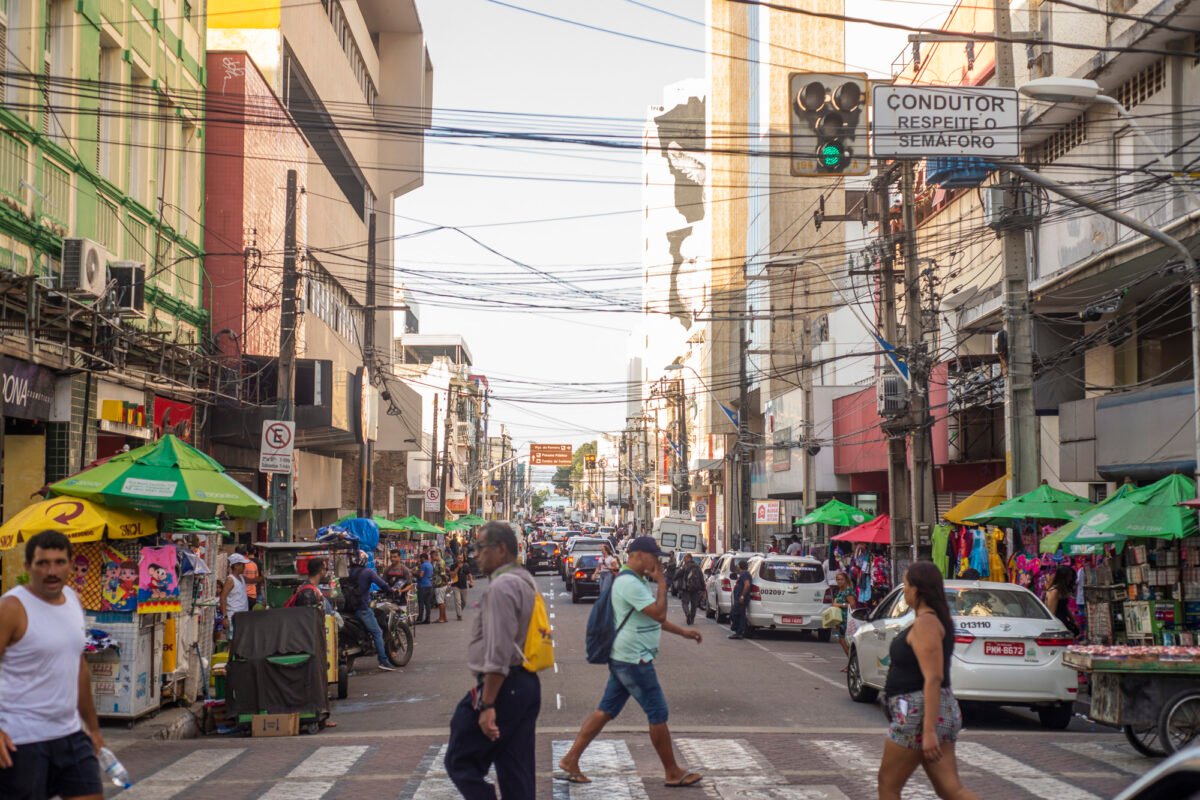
489 57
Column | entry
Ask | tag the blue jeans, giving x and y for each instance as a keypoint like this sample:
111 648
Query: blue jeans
367 617
638 681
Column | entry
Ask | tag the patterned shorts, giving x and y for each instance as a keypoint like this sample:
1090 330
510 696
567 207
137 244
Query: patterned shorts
907 715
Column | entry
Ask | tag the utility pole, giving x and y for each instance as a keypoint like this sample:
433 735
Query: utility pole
445 481
366 454
744 452
433 452
898 500
806 387
280 528
685 491
921 504
1022 434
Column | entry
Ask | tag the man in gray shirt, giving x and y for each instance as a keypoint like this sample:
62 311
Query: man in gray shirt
497 720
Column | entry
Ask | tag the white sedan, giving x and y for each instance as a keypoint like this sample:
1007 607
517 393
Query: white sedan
1008 649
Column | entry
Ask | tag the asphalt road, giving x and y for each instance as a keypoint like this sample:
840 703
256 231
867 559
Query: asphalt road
761 718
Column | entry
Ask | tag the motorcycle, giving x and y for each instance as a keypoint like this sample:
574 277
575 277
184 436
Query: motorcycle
354 641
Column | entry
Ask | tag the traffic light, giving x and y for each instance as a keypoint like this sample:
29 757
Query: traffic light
829 114
589 461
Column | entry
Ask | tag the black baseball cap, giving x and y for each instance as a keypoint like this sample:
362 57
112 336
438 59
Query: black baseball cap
644 544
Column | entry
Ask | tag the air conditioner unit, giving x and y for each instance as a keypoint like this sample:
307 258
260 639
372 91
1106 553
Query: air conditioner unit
129 293
462 431
1005 208
85 266
892 394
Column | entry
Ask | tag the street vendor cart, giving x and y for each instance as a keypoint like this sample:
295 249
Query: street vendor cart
1151 693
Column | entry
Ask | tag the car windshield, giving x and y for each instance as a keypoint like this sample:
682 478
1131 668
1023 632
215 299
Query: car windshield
989 602
545 547
791 572
587 562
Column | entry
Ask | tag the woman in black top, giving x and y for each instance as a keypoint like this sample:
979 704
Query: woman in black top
925 717
1058 598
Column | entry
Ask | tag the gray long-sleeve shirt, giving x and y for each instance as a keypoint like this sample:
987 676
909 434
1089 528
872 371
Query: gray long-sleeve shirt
498 630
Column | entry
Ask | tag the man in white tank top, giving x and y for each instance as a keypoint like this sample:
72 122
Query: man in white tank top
49 734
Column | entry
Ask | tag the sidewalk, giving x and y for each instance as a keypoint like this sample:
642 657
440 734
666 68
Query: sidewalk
169 724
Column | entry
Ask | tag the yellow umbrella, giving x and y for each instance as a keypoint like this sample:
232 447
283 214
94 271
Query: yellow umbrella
981 500
81 520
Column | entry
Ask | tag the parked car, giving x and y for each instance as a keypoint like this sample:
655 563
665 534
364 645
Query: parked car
542 556
1008 649
788 593
582 584
719 585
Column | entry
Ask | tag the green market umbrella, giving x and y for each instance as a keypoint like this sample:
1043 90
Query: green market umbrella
415 523
1090 537
471 520
383 523
836 513
1044 502
167 477
1152 512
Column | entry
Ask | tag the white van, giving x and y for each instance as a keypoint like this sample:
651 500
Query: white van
678 534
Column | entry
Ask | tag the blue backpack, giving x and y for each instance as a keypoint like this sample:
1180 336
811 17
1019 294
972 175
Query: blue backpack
601 630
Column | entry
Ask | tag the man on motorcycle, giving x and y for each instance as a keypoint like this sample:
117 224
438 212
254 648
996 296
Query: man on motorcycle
363 578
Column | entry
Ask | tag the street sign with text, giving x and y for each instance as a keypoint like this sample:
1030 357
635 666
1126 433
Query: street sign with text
550 455
277 446
766 512
433 499
950 121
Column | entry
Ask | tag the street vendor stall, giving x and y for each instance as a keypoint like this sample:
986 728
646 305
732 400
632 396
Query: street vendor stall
141 587
1151 693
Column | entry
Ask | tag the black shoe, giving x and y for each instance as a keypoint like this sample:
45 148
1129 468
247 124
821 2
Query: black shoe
736 636
388 667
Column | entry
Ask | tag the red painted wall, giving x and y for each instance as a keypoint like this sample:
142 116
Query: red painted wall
859 443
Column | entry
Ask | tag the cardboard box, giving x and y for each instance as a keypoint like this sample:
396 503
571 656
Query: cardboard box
275 725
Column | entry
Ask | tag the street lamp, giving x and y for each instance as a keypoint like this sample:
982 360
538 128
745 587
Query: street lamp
1074 90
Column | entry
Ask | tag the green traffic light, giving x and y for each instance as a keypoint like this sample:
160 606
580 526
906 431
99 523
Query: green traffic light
832 155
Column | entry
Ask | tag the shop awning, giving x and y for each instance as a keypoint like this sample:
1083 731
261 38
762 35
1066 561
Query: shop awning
877 531
979 501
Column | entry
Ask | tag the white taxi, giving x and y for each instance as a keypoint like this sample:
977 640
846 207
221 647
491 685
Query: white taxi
1008 649
788 593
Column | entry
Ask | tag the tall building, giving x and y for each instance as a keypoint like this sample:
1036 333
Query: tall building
301 86
101 214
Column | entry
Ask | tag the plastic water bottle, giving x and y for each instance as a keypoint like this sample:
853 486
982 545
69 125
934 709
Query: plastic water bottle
113 769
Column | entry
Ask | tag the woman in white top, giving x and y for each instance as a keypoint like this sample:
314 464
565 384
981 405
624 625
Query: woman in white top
606 569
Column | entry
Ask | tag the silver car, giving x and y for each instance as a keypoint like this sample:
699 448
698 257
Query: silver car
719 585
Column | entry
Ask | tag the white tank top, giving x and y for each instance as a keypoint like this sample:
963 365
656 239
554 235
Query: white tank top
39 675
237 600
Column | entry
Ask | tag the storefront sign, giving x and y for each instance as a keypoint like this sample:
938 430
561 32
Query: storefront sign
766 512
28 389
171 416
457 506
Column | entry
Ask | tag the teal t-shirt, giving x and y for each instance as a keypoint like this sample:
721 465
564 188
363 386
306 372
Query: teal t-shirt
639 639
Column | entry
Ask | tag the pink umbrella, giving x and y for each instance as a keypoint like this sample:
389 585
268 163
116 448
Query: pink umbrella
876 531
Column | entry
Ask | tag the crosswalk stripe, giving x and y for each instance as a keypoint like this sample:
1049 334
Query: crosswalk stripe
864 767
735 770
430 781
179 775
298 790
328 762
723 755
1129 763
1029 778
608 763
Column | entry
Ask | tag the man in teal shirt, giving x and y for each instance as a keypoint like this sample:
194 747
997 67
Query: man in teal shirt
641 615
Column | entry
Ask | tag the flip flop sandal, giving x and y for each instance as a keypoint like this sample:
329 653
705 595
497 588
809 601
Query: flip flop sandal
573 777
691 779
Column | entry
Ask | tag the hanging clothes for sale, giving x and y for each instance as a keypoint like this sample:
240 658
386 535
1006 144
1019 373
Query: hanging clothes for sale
995 540
979 553
940 544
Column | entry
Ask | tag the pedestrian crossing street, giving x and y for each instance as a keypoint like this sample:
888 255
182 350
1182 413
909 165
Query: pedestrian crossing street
760 767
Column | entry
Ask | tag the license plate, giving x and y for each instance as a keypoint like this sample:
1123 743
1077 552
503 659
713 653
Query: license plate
1004 649
790 620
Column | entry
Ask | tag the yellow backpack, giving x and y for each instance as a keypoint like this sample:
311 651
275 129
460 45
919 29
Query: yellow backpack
539 641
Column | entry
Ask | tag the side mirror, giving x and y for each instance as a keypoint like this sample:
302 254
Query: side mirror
861 614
